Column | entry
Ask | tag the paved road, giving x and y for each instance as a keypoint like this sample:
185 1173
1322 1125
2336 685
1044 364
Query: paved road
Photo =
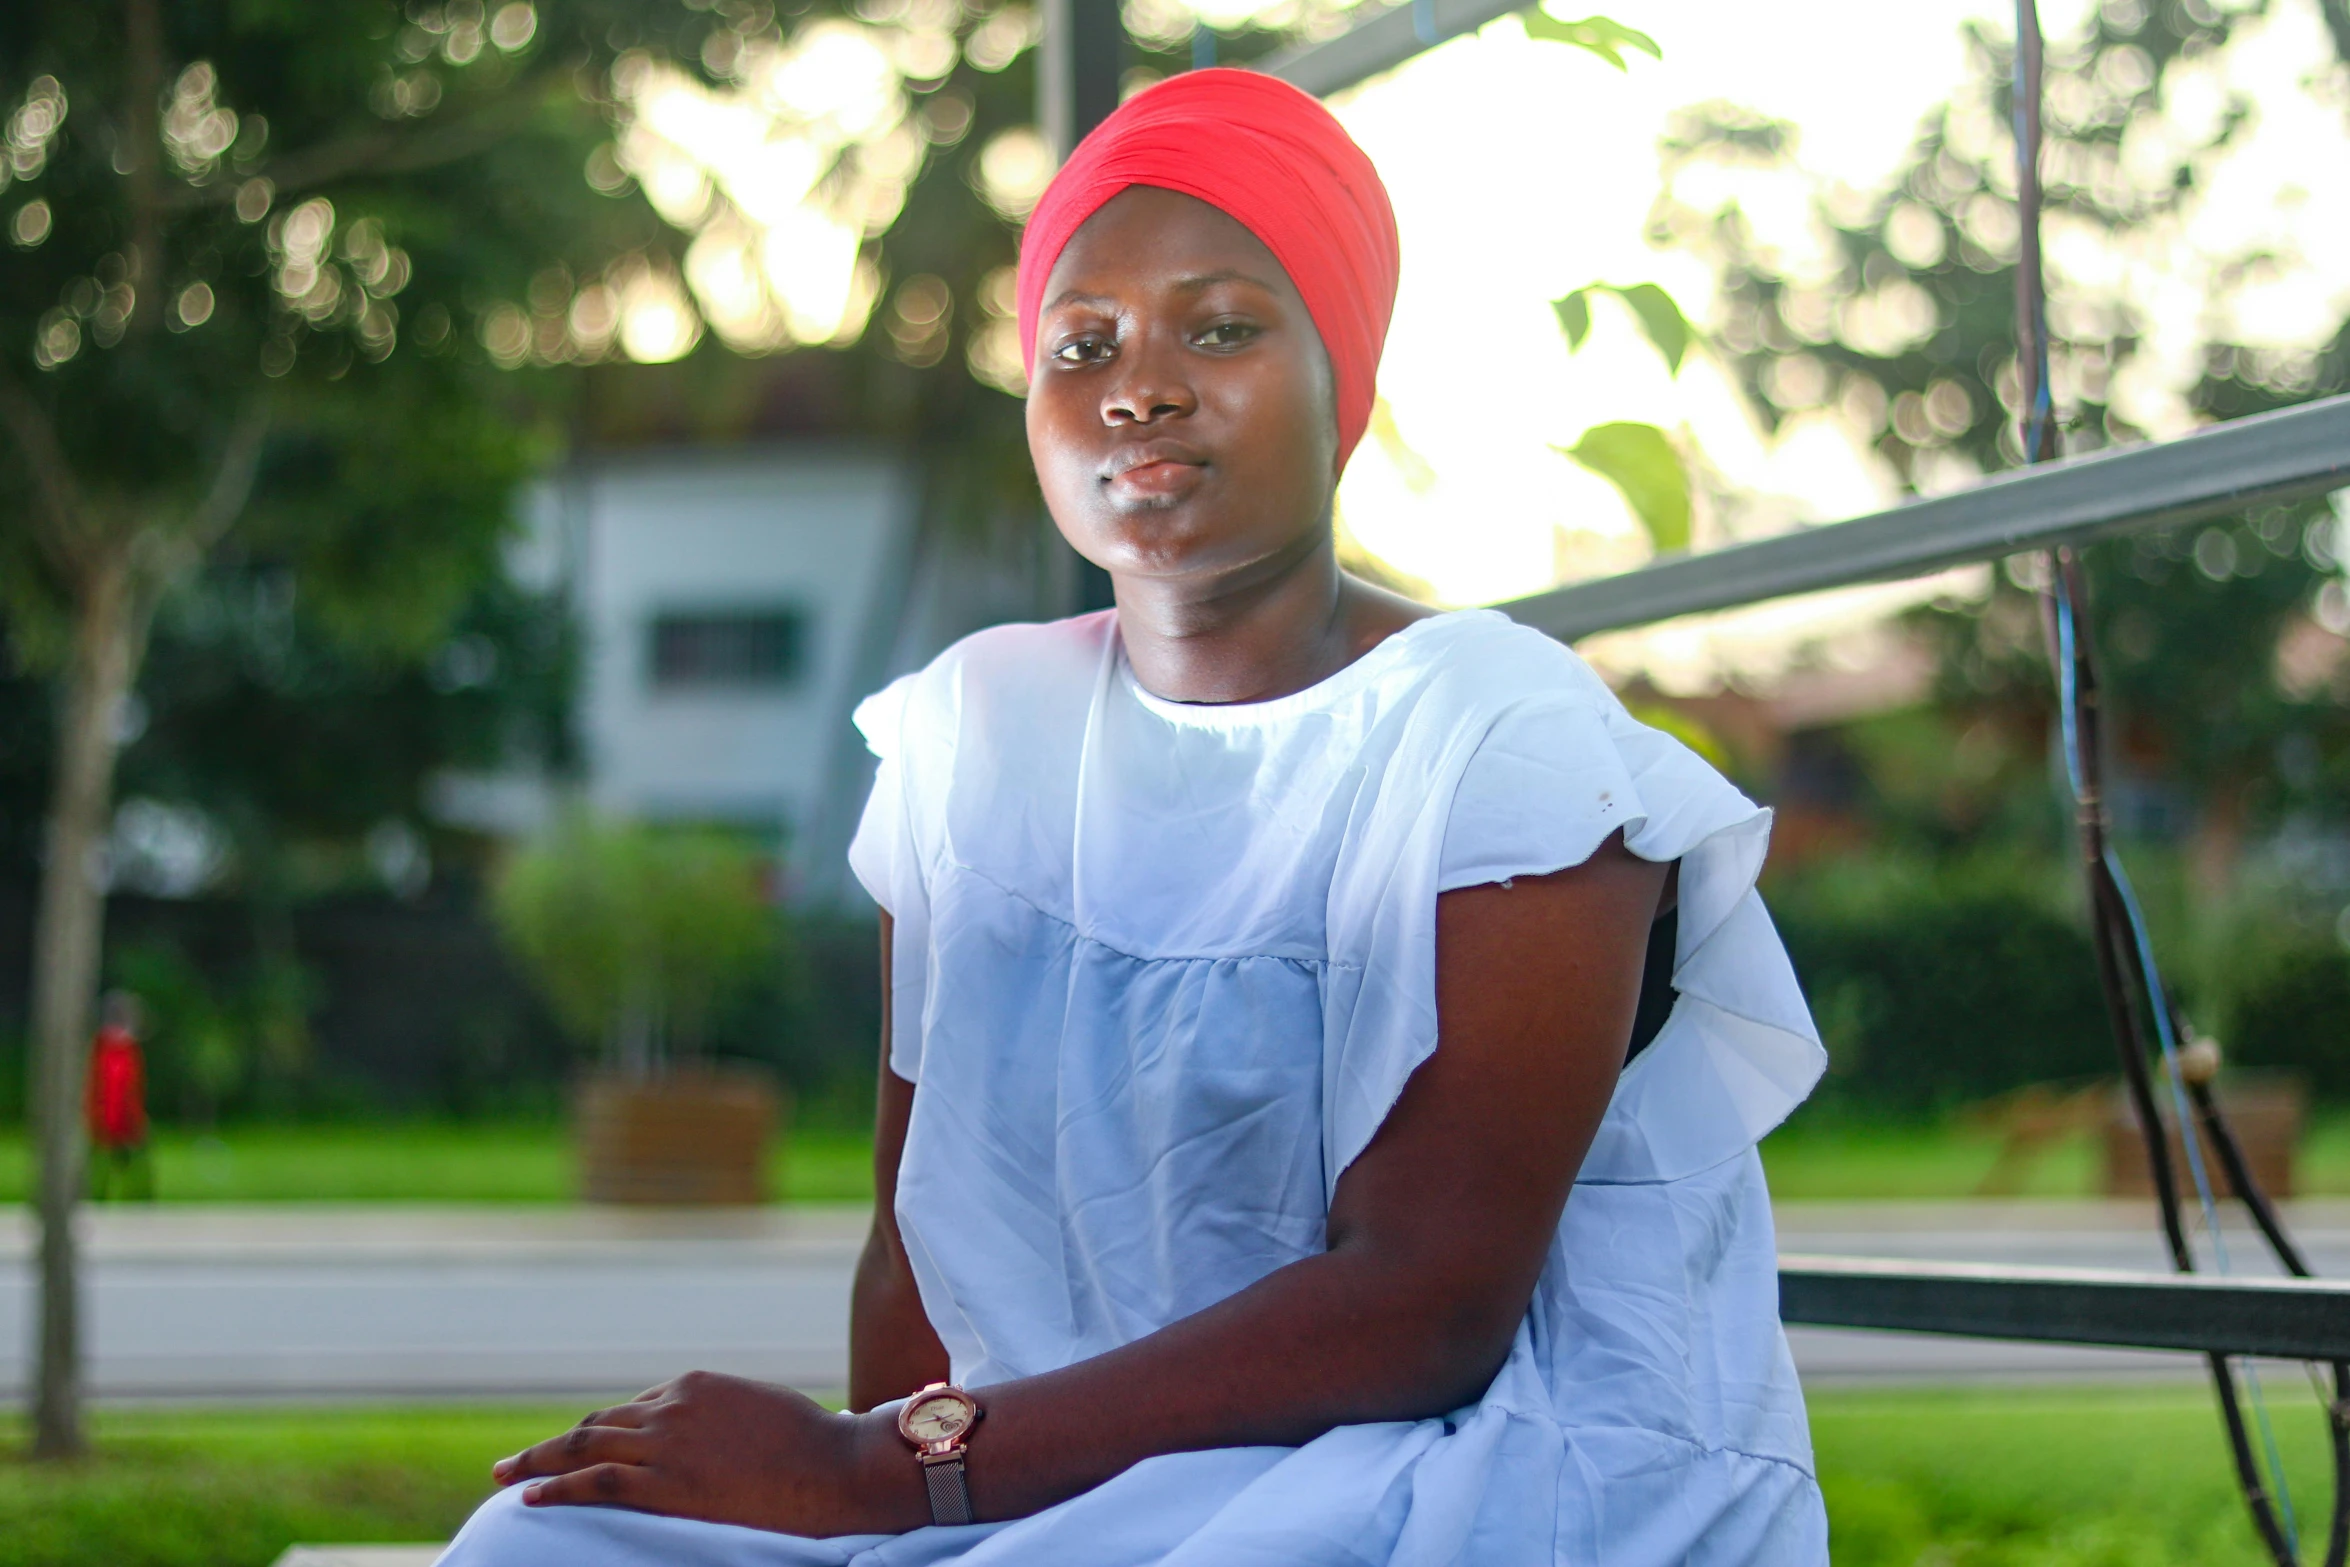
292 1301
297 1301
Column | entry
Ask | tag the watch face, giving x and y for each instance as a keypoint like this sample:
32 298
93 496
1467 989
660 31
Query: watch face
939 1418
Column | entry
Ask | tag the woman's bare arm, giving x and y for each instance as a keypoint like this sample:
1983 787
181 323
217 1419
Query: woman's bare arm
1437 1232
892 1349
1436 1236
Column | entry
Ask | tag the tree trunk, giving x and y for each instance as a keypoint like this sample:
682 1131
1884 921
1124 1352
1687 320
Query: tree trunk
108 626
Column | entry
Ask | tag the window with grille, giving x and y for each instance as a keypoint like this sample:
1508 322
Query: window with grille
704 650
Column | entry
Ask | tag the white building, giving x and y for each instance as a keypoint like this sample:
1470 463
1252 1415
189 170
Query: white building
733 607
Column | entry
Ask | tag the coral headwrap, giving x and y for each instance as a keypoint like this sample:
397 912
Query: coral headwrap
1275 159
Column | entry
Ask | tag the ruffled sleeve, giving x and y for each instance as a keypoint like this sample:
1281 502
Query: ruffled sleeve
1538 789
887 860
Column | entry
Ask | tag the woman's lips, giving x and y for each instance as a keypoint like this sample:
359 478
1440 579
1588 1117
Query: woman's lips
1156 480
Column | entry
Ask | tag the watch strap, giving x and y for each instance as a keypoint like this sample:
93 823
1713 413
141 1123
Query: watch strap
950 1498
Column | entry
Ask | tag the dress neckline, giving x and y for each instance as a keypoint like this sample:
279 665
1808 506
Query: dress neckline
1332 688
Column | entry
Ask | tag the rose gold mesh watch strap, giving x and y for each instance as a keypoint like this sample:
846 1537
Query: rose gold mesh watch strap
950 1499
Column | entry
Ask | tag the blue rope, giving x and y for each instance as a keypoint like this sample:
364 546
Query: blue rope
1424 21
2157 997
2038 420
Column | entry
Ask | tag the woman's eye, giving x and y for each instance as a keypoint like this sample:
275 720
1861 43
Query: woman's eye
1083 351
1226 334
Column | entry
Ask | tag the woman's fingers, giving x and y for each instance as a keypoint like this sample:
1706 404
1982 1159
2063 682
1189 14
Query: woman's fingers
582 1447
608 1485
614 1435
631 1416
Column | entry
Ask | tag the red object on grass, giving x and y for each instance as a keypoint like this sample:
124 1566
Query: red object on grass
1273 158
117 1103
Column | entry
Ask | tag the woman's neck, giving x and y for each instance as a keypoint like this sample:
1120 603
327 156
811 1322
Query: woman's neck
1258 636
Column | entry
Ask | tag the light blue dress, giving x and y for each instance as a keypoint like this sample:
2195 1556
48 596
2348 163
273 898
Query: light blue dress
1161 970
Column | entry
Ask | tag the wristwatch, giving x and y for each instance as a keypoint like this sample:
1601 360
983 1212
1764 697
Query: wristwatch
938 1421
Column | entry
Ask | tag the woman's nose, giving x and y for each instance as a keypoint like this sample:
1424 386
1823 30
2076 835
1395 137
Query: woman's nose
1149 387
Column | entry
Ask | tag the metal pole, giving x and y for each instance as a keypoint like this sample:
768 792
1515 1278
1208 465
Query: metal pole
1077 74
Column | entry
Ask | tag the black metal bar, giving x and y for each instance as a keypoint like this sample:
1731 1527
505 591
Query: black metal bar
2285 455
2238 1170
1382 43
2291 1319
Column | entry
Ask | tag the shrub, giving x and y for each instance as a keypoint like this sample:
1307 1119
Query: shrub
217 1043
637 935
2291 1010
1939 983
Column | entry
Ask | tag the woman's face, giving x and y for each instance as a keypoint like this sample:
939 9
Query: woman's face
1180 409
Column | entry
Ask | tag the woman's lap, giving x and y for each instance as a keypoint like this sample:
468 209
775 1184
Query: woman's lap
1132 1520
1247 1506
504 1533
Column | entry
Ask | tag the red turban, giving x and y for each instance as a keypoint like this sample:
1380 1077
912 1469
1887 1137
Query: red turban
1273 158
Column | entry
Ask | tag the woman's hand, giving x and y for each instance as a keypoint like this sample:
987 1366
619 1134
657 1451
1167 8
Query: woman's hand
728 1450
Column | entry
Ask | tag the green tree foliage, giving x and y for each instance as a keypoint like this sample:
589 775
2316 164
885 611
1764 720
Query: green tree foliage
2224 696
1658 315
293 743
1910 337
1912 333
254 245
206 1042
1594 34
1642 462
303 248
2190 630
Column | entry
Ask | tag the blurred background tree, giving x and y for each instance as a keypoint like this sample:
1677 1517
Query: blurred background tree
438 247
203 193
296 297
2221 645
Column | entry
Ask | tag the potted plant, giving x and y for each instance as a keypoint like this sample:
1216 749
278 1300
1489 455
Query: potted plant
636 935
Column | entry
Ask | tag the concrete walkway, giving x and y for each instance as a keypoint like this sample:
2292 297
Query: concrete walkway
294 1301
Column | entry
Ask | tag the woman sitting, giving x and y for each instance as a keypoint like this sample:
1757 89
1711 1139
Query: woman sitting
1261 1178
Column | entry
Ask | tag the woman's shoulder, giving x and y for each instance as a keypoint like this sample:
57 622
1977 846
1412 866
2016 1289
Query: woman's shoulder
1549 754
1480 664
1023 673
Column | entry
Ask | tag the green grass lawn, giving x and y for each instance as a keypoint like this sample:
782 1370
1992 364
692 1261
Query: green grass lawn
1823 1159
219 1488
2073 1477
1847 1161
430 1162
2086 1477
496 1161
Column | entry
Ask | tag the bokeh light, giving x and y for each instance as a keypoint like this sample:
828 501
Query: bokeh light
782 176
1523 170
31 224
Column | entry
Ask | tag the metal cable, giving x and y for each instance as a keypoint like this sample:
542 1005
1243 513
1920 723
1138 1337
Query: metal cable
2140 1008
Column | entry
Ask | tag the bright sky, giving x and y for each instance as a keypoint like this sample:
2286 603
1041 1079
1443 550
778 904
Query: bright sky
1522 170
